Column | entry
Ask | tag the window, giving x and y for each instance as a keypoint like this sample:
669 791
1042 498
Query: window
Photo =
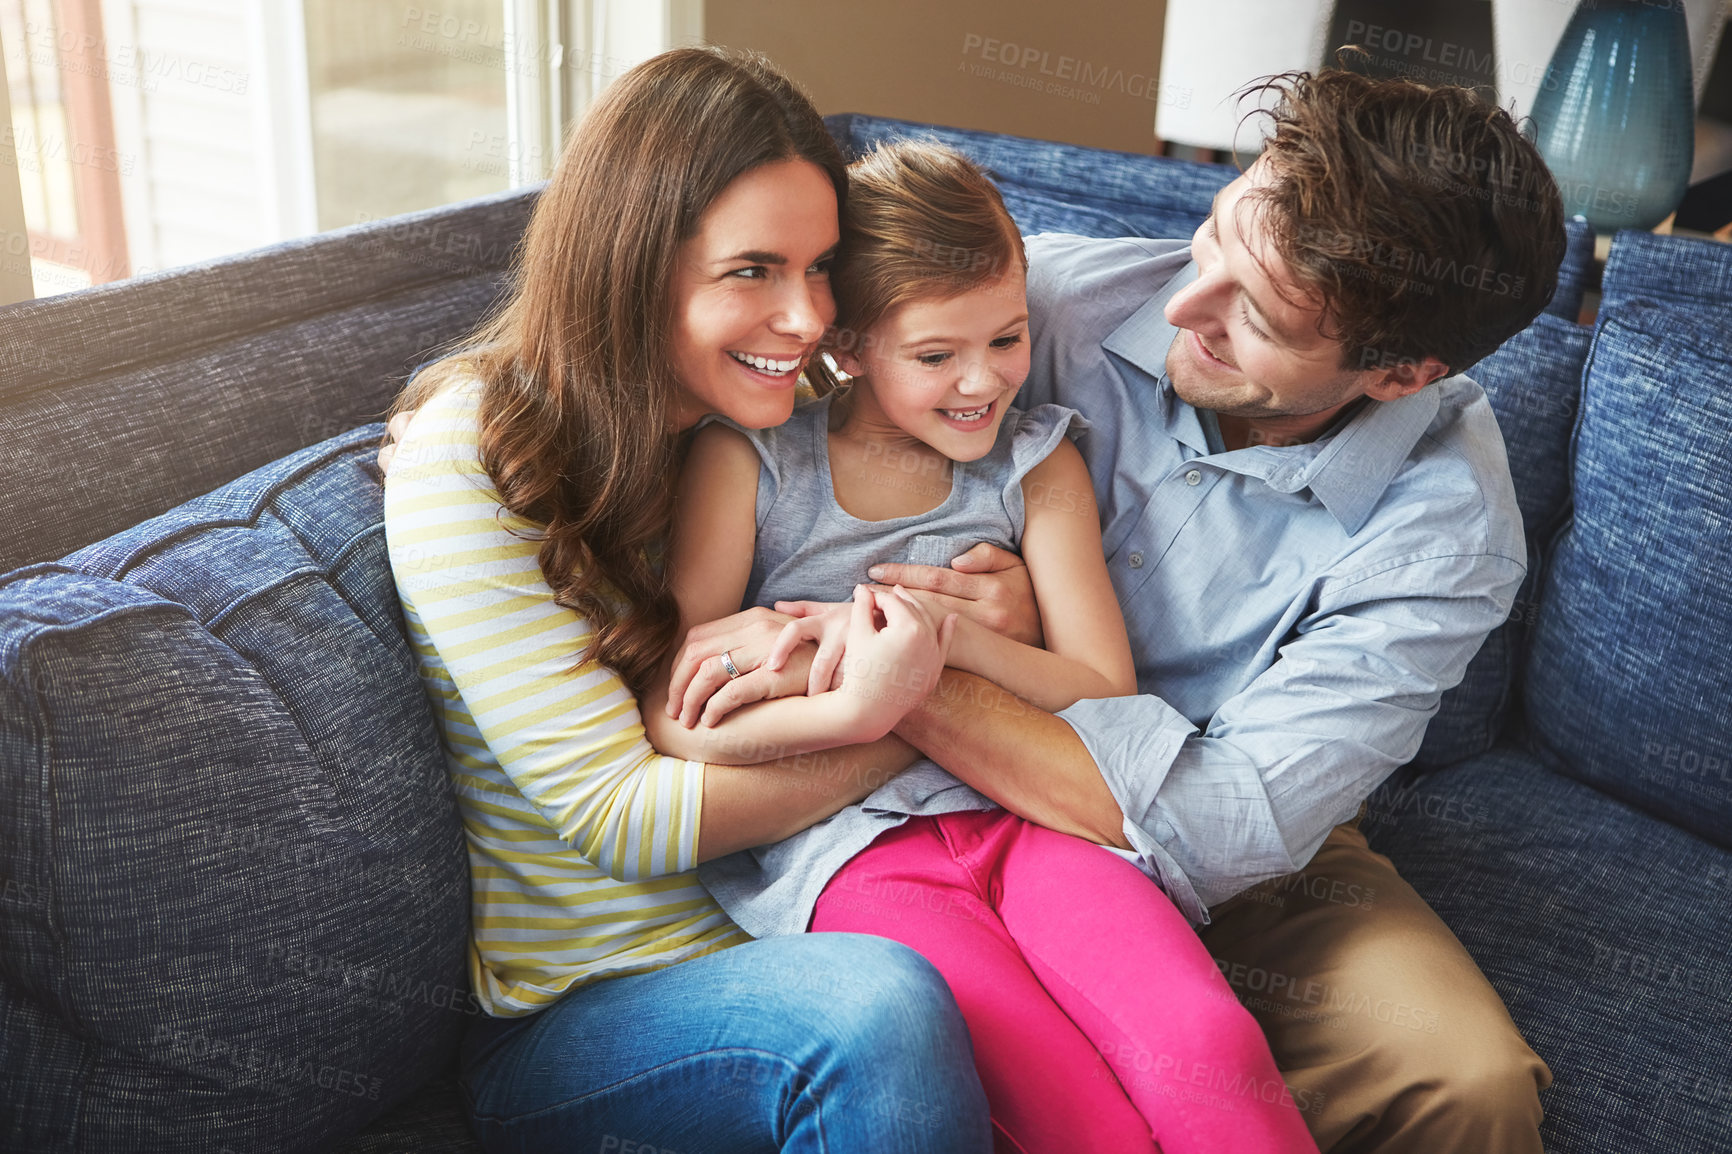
148 134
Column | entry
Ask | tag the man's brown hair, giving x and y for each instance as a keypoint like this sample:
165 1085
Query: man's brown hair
1422 219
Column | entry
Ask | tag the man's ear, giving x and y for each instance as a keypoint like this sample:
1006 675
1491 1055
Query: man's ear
1404 378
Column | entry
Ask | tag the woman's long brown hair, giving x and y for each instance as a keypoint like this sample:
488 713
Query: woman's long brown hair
578 385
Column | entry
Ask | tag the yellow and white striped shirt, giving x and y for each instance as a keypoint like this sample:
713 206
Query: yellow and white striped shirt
582 839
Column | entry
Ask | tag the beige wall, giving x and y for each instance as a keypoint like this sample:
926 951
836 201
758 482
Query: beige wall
1080 71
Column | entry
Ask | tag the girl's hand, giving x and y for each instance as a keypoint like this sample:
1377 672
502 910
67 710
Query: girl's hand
889 670
825 622
986 584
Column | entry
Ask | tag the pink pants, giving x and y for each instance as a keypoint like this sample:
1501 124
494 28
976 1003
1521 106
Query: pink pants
1099 1020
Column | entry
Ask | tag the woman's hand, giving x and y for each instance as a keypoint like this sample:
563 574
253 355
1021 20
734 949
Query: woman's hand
761 684
889 670
745 637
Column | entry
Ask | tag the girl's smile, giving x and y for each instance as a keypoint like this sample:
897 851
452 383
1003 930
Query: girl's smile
972 420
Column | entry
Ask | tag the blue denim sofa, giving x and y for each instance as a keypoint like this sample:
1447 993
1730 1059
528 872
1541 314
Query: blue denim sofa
232 893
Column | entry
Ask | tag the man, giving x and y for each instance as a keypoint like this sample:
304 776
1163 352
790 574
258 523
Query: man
1312 528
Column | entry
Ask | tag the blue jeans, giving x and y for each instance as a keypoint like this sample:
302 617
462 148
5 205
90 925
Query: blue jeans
837 1043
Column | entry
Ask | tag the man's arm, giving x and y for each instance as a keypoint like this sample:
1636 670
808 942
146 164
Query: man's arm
1026 759
1282 762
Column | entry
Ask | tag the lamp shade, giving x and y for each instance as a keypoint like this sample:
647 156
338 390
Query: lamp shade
1213 48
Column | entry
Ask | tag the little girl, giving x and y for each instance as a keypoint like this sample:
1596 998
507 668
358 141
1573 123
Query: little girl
1099 1020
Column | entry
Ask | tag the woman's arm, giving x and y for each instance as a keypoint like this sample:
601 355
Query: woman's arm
1087 653
521 727
748 805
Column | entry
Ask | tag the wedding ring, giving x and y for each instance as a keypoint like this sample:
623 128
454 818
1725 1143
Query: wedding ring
728 664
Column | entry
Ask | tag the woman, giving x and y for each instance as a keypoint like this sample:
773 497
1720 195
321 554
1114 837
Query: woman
675 266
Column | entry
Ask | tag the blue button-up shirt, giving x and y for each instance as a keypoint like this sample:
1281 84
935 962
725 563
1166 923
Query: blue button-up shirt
1295 612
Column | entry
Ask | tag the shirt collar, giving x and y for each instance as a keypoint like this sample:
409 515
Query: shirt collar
1351 469
1347 471
1143 340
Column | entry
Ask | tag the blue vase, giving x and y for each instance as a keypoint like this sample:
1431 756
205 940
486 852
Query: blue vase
1616 112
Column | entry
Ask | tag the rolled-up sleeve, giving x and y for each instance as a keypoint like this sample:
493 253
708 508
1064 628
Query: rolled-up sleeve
1211 812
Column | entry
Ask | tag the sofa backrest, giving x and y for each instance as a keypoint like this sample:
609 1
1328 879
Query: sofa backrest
123 401
1533 382
1629 683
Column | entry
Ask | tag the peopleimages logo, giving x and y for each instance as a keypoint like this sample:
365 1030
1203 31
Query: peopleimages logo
126 64
1421 266
1032 63
1425 48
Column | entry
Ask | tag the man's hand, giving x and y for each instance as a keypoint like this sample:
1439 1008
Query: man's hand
986 584
394 430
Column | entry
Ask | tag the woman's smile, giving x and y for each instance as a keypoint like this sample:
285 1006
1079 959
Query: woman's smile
771 366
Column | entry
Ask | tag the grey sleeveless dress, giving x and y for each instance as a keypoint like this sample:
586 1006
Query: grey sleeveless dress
808 548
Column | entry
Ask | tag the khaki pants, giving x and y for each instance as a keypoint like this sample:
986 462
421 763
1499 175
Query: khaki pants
1389 1036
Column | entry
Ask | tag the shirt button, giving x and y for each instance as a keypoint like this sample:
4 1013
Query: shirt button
1194 477
1136 560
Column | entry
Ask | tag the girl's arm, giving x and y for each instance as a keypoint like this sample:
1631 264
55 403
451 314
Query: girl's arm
715 525
1088 653
710 557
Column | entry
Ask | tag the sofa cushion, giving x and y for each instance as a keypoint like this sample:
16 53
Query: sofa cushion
1533 383
1603 929
1674 269
431 1121
1629 683
240 899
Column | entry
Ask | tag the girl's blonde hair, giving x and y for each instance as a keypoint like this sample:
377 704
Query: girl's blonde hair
921 222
